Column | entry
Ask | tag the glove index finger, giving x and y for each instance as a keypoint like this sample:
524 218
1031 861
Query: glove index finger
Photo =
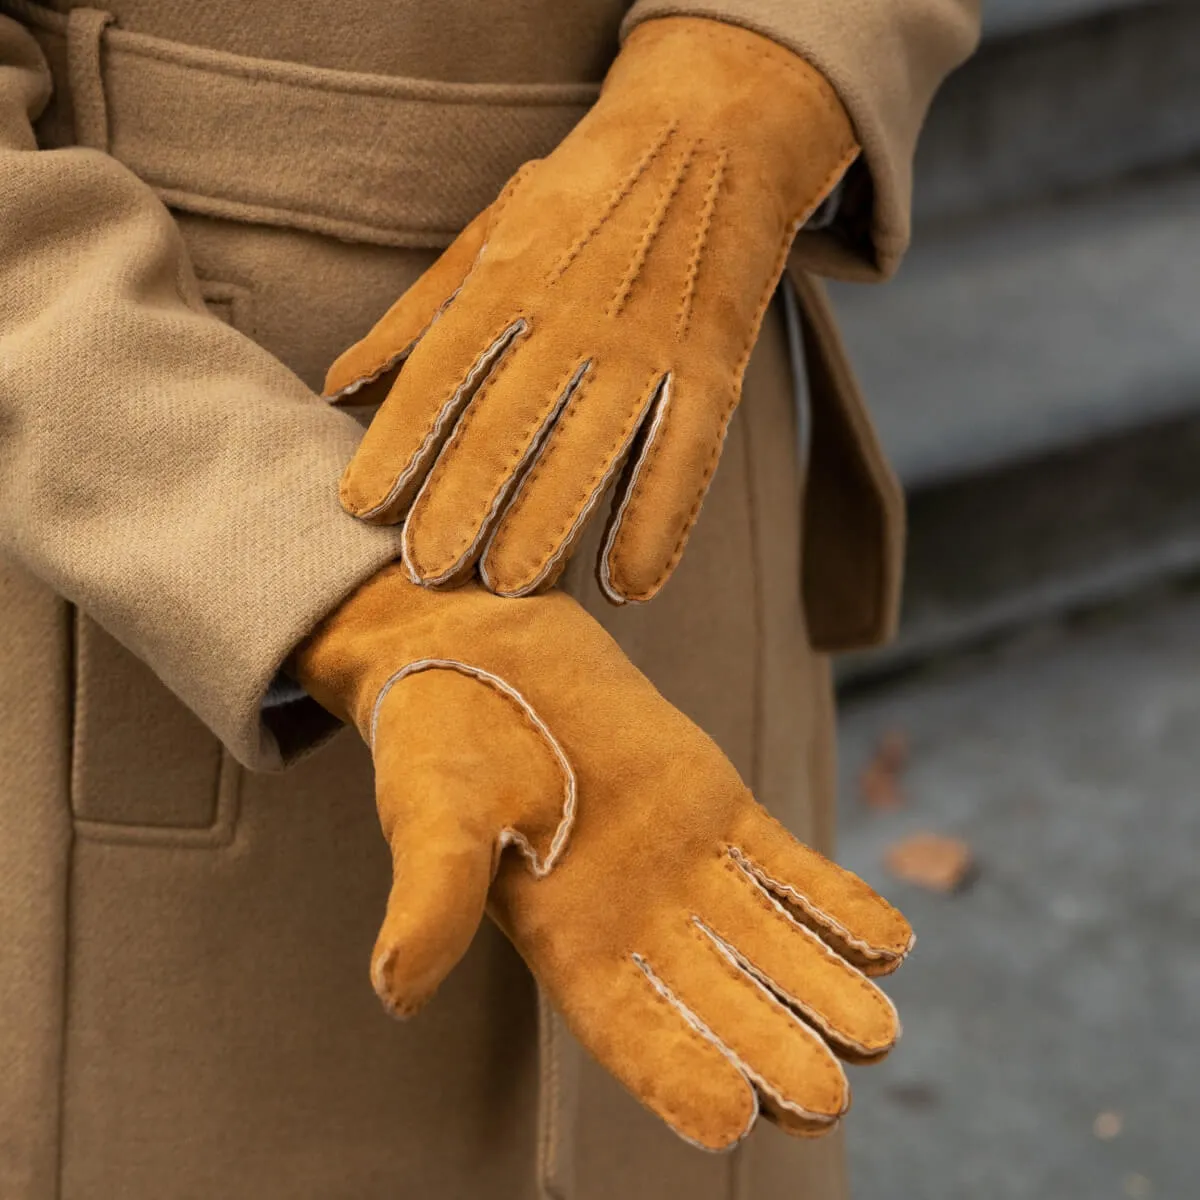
419 414
397 332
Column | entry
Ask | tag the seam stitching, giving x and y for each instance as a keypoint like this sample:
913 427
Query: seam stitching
872 953
615 197
590 494
667 194
829 1065
777 912
508 836
715 183
736 381
484 365
698 1032
526 444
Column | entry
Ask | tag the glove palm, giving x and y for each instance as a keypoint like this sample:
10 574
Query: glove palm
525 767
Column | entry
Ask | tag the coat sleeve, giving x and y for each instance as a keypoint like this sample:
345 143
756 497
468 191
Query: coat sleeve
886 58
156 467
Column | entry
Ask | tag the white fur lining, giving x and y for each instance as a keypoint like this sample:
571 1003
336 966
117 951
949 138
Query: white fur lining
873 953
662 399
516 478
539 867
815 1018
449 412
584 513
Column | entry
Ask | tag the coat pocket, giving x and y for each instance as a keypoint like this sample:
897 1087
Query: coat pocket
143 767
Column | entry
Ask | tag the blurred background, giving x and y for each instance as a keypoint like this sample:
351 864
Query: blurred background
1020 768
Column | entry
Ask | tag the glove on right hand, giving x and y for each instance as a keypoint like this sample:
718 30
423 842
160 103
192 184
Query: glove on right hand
707 959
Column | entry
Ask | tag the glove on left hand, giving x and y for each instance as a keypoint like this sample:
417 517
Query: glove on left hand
706 958
599 315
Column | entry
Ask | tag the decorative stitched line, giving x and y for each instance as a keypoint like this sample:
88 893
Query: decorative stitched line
704 1037
886 954
509 191
527 443
539 867
739 370
829 1066
589 495
493 215
669 191
778 913
616 196
430 442
715 182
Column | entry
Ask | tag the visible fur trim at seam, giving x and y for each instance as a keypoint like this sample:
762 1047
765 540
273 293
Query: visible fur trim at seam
707 1034
605 572
585 512
508 837
336 397
515 478
820 916
759 1084
811 1015
448 413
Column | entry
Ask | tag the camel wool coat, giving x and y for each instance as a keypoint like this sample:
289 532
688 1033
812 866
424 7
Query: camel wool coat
200 206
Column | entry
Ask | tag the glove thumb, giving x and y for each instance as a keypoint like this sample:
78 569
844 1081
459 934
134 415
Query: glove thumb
464 768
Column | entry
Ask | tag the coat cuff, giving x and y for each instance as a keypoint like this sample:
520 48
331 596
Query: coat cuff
299 573
885 58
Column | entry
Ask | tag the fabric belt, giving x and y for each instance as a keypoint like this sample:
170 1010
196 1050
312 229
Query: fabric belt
372 158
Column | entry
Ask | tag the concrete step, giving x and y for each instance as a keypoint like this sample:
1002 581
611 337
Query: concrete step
1090 525
1035 369
1036 381
1063 106
1002 17
1036 330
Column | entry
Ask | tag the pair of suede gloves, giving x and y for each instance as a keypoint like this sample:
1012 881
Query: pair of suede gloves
593 326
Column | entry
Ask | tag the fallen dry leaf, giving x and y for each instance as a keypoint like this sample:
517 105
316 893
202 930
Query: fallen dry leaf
931 860
879 782
1107 1125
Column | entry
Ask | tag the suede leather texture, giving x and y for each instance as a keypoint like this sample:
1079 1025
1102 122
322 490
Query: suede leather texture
705 957
597 320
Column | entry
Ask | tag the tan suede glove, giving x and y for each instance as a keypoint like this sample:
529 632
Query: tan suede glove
706 958
600 315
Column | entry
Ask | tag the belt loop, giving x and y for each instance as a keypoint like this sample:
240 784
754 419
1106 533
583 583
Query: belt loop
85 33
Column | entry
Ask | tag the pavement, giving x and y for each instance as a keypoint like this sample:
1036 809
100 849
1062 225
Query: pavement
1051 1008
